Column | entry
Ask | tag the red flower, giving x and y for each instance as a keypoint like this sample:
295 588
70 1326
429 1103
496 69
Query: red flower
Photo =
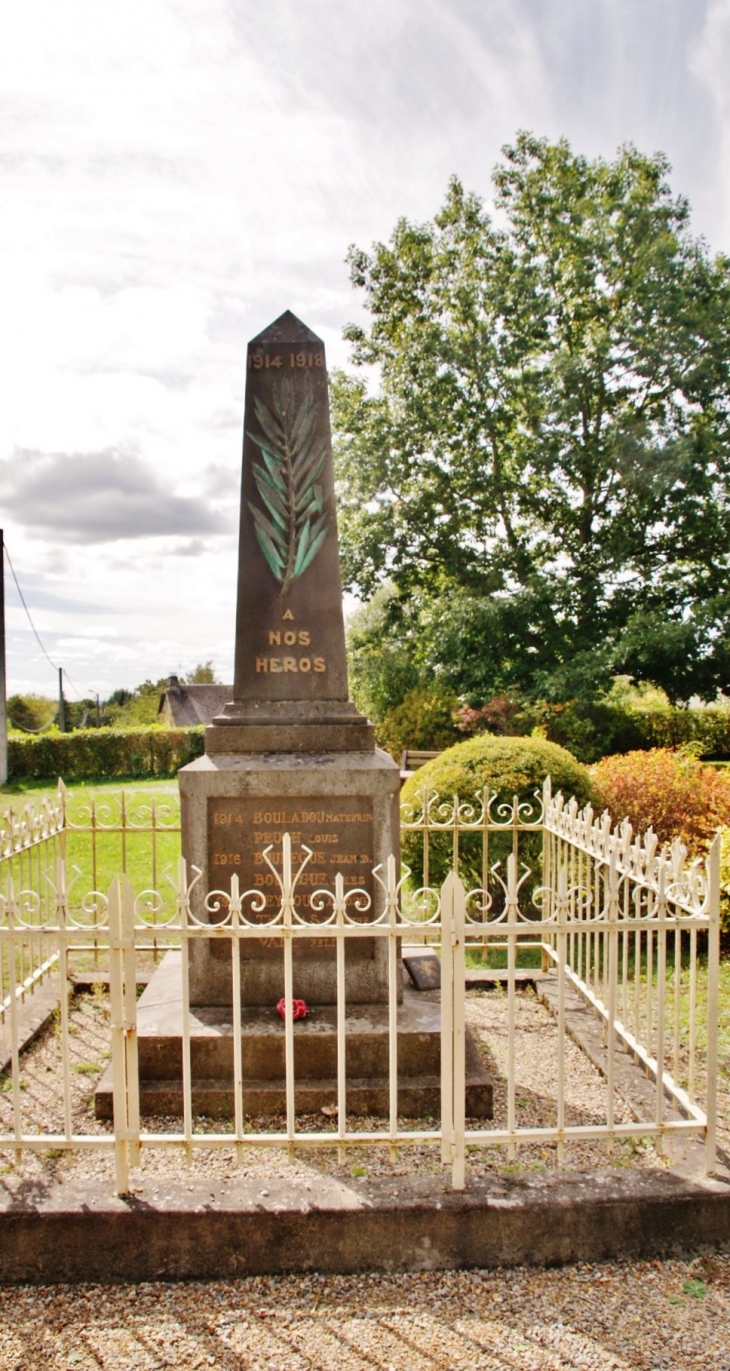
298 1008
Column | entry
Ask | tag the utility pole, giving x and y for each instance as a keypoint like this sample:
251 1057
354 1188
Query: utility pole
61 702
98 719
3 707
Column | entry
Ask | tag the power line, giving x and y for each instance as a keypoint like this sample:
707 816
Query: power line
37 636
25 607
74 686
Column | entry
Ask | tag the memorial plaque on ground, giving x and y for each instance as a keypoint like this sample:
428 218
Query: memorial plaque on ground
340 837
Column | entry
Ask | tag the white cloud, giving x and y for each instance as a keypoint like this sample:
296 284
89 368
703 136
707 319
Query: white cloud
710 62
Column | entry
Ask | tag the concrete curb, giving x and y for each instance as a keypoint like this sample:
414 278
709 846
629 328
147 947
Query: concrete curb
59 1234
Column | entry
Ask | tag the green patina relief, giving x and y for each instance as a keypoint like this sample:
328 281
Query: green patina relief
293 524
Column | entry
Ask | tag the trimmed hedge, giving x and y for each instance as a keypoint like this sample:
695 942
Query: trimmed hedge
604 728
96 754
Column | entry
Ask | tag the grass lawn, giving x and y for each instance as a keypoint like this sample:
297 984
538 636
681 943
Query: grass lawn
16 793
103 846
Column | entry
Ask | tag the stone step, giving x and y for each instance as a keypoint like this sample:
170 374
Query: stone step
418 1098
160 1053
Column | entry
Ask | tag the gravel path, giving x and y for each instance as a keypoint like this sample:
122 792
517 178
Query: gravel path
636 1315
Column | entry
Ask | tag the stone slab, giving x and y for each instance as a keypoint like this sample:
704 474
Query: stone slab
304 737
159 1037
424 969
190 1229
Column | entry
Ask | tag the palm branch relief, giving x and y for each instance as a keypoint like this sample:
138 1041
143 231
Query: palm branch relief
293 524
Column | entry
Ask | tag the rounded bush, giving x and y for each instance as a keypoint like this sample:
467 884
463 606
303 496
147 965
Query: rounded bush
669 791
505 767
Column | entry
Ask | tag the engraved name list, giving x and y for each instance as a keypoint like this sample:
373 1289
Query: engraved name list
339 831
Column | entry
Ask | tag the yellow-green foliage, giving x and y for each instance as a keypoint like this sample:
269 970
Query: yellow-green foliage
506 767
424 720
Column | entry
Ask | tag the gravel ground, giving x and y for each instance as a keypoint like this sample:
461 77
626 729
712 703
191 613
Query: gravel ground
536 1078
673 1314
618 1315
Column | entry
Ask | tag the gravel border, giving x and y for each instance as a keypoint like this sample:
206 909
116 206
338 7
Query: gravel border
608 1317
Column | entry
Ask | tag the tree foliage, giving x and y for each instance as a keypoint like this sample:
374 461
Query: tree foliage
543 472
30 713
202 674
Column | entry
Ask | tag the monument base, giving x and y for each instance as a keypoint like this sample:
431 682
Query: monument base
159 1030
343 808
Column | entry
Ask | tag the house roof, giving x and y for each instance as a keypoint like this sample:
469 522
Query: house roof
194 704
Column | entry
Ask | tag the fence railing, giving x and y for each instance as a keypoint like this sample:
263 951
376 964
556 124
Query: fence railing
32 842
135 833
630 915
620 921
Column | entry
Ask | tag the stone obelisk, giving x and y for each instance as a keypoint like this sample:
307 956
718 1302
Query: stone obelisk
290 753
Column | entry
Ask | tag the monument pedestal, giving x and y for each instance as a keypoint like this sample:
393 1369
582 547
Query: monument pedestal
159 1030
343 807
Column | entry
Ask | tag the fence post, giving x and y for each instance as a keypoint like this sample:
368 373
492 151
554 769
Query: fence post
119 1074
453 1036
546 877
713 973
458 967
447 1018
131 1064
10 912
62 793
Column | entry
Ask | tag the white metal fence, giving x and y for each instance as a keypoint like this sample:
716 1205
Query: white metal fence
633 929
127 832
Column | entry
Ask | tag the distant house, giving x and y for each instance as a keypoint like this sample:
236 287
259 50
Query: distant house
181 705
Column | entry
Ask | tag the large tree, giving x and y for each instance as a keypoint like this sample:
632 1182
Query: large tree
544 466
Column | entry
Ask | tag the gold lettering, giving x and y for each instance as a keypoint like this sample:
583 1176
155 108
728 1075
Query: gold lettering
287 614
289 637
290 664
275 664
320 665
305 664
304 638
262 663
274 637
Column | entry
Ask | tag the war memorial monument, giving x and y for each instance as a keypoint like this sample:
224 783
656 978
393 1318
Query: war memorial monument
289 754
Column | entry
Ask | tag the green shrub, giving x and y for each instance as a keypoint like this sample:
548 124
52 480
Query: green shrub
103 753
600 728
425 721
506 767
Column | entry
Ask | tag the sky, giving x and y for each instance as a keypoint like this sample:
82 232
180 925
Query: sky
174 174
